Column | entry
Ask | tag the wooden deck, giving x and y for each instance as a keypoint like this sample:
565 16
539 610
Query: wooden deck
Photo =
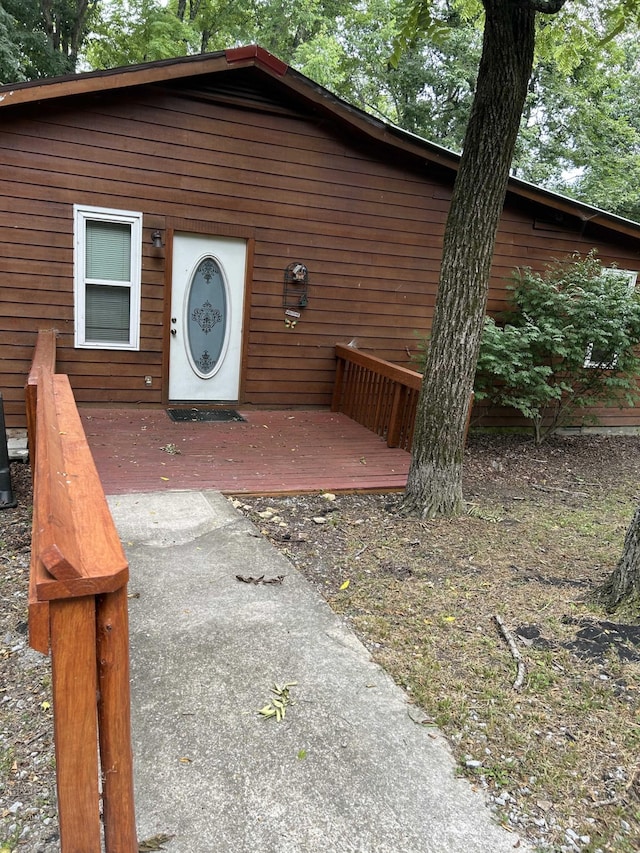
274 452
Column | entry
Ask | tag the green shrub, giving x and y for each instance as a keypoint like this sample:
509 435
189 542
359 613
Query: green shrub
566 344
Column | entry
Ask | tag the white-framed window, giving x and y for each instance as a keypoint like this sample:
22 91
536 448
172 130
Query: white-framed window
107 277
595 357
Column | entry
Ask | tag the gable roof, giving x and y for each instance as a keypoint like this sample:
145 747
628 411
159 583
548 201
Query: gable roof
205 72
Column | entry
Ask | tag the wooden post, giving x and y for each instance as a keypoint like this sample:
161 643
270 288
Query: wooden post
114 721
337 386
395 417
44 361
73 643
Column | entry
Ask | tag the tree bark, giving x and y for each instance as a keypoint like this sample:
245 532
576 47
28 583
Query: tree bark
434 485
623 586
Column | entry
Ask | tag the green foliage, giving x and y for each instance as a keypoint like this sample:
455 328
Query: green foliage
41 38
26 52
567 344
581 132
11 68
134 31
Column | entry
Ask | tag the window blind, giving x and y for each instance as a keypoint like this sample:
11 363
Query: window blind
108 250
107 313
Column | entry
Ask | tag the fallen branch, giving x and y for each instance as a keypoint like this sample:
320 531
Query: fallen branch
558 489
635 776
515 652
614 801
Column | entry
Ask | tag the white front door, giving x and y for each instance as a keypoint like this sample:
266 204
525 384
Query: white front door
207 302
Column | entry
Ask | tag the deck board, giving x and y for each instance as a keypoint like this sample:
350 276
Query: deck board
273 452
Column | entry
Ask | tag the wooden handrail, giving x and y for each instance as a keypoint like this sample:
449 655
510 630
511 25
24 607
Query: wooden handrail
75 543
78 609
401 375
377 394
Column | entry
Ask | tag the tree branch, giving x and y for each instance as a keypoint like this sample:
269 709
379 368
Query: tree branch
515 652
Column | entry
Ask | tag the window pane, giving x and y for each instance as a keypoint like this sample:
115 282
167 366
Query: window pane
107 313
108 249
601 358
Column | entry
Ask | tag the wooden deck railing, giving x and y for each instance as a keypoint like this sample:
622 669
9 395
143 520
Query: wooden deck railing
377 394
78 610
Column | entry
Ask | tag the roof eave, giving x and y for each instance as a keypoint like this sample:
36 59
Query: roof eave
586 213
111 79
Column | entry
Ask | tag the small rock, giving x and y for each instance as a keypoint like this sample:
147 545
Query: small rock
319 519
329 496
15 808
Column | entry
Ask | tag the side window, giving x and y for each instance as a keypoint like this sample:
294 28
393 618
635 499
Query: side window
595 357
107 278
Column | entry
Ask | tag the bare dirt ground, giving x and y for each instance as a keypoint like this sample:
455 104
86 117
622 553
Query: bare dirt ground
559 758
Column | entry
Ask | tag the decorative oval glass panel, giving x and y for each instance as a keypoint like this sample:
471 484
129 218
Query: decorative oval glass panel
206 318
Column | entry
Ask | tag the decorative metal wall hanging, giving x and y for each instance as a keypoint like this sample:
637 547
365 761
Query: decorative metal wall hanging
296 284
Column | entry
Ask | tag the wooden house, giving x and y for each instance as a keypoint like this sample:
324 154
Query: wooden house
206 229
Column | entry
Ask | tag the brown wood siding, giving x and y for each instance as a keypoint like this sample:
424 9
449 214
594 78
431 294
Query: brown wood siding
369 230
610 417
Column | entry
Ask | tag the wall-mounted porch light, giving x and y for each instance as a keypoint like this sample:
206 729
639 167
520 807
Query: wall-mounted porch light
156 239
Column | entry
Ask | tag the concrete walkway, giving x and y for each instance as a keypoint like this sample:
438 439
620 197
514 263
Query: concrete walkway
347 770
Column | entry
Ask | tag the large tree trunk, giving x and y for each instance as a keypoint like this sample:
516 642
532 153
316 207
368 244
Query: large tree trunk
623 586
434 486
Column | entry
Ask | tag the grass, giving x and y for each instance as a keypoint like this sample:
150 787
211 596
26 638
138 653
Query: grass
575 725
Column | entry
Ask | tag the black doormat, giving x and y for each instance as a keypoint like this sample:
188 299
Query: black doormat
194 415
